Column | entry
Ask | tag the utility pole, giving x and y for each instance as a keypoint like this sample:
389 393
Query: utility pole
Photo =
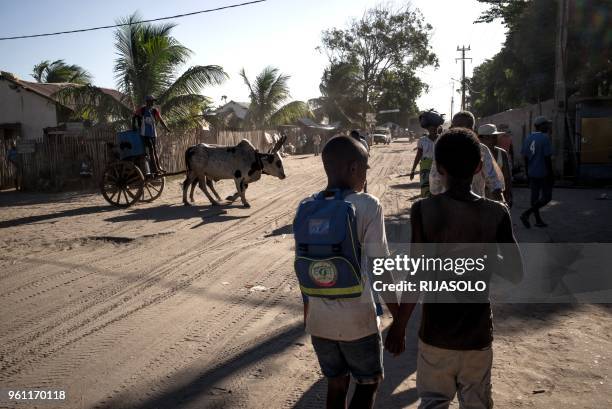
463 58
560 108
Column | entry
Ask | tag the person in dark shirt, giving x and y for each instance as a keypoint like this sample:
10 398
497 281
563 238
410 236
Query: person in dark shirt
537 152
455 354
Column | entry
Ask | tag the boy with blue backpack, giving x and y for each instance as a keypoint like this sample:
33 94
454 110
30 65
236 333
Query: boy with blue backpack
333 230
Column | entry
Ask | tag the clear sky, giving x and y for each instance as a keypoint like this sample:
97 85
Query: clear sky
282 33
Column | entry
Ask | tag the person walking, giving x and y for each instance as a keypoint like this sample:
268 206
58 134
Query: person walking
316 141
490 175
488 135
12 157
537 153
432 122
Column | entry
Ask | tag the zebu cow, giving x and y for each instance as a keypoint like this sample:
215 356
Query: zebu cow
243 163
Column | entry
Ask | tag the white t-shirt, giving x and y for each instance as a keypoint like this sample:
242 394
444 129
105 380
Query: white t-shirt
427 145
490 176
348 319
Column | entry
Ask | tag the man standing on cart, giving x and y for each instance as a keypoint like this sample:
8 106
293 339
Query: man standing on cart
144 120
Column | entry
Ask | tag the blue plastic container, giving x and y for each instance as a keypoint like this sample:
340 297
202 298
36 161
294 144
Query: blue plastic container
130 144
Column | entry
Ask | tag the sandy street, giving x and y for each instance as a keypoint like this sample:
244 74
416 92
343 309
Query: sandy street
165 306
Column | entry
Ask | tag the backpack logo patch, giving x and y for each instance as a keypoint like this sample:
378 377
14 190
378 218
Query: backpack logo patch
323 273
318 226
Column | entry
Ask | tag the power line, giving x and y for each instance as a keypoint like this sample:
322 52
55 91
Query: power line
135 22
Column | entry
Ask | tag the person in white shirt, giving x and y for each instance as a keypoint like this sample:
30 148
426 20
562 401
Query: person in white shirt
490 177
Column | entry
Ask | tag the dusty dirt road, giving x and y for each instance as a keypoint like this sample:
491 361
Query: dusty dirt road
159 306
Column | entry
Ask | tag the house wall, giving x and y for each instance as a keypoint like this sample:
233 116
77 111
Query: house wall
33 111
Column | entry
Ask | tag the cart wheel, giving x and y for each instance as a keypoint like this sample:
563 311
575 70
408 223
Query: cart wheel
122 184
153 188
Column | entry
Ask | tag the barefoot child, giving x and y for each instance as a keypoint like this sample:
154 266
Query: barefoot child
345 331
455 355
431 121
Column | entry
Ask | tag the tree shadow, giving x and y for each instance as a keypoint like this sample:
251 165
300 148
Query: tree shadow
81 211
197 384
163 213
397 371
12 198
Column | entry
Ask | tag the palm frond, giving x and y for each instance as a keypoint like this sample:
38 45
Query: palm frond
58 71
193 80
92 103
182 105
289 113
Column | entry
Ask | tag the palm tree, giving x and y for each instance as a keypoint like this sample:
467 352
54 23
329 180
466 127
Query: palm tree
58 71
147 63
268 93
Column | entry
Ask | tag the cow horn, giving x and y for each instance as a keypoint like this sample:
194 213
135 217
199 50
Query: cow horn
279 144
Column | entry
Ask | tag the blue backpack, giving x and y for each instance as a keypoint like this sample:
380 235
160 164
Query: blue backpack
327 249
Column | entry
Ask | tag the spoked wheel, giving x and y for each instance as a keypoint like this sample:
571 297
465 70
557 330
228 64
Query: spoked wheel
153 188
122 184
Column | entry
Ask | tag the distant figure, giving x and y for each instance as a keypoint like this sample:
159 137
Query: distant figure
537 152
504 141
144 120
488 135
86 170
302 142
316 142
13 158
432 122
490 176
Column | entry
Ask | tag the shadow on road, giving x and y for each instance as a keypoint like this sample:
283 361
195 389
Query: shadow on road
397 371
210 214
56 215
198 384
12 198
409 185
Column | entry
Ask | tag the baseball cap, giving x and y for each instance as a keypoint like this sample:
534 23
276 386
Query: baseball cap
150 98
541 120
488 129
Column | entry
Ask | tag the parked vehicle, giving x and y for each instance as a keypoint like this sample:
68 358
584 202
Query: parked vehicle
381 135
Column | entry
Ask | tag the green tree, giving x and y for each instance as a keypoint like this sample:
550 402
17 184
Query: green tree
148 63
383 40
339 99
399 90
268 94
58 71
524 70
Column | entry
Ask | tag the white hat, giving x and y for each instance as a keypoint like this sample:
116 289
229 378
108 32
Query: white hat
488 129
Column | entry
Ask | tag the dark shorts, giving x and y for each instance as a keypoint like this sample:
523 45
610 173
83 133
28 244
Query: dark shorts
541 191
362 358
149 143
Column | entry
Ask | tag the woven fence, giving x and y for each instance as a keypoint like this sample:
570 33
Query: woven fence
56 161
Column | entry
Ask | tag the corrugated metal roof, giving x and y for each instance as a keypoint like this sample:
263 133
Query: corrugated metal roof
312 124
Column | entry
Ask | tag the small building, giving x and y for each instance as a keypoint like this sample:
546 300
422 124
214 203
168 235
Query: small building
232 114
27 108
